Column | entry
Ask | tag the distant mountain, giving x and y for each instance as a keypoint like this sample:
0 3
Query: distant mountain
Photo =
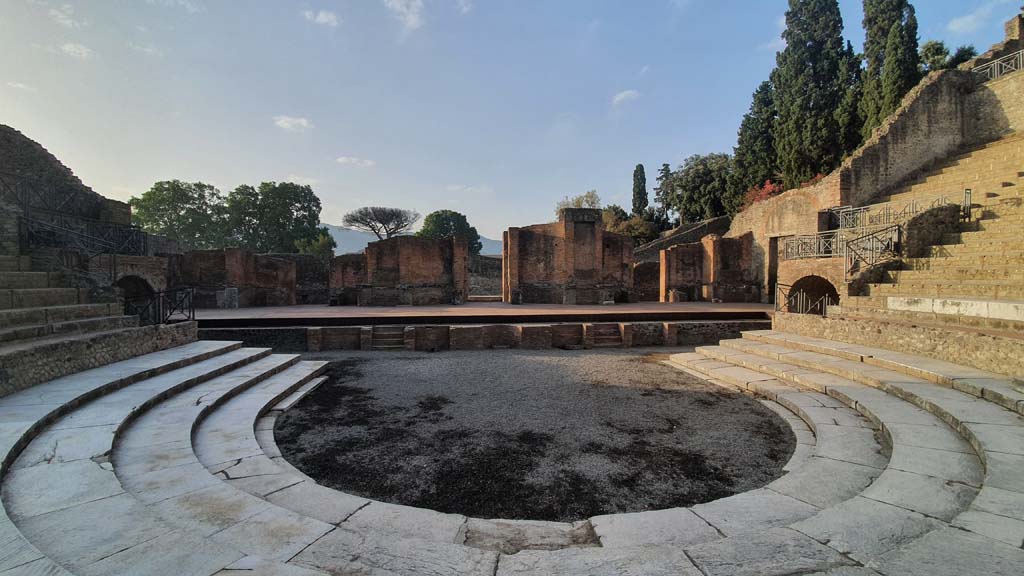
350 241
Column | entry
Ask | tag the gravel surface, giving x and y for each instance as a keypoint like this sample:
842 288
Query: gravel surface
541 435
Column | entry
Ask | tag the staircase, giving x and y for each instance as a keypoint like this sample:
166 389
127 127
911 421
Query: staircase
602 335
48 329
388 338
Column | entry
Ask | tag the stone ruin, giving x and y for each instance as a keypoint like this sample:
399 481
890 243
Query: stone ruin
716 269
405 270
572 261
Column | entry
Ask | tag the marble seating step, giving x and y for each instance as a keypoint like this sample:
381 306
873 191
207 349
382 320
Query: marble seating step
15 317
78 326
39 297
134 539
48 402
25 280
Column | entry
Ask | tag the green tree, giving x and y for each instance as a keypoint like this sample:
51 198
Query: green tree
274 216
191 213
322 246
808 92
703 187
935 56
754 155
639 190
899 73
588 199
449 223
847 115
383 222
879 18
637 228
612 215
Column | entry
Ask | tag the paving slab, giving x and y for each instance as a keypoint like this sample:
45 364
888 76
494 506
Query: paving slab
928 495
674 527
153 487
850 444
926 436
776 552
862 528
952 466
1005 471
641 561
344 551
998 501
1008 530
513 536
76 536
951 552
255 566
209 510
273 534
57 446
316 501
753 511
407 522
39 567
177 552
824 482
41 489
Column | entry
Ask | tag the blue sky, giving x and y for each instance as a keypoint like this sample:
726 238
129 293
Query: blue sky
495 108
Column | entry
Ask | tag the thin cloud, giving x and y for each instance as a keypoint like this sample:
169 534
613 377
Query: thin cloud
301 180
65 16
353 161
973 21
21 86
147 49
465 6
624 96
408 12
293 123
645 70
323 17
778 44
77 51
186 5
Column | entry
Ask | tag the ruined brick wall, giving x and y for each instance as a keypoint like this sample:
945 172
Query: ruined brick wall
714 269
348 273
484 275
155 270
685 234
312 276
25 161
572 261
681 273
405 270
831 269
260 280
646 281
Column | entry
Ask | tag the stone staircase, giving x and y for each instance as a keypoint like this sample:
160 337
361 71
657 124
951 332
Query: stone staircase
607 335
388 338
49 329
166 464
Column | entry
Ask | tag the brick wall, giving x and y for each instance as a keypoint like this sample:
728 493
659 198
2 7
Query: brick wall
9 237
572 261
405 270
312 276
260 280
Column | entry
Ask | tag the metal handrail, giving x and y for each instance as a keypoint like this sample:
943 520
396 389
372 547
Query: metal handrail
1000 67
786 300
167 307
874 248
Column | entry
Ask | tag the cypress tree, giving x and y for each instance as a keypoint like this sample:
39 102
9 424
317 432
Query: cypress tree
848 115
754 154
879 18
900 71
639 190
807 90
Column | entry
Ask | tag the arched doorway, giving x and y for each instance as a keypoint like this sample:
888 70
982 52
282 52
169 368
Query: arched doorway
811 295
134 288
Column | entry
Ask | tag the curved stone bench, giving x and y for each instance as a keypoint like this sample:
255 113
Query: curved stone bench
993 432
56 504
184 493
26 413
632 543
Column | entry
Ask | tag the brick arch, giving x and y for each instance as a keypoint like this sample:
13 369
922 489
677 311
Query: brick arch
134 287
808 291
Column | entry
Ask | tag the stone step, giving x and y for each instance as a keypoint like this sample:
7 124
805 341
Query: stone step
126 539
98 324
25 280
24 364
980 289
1008 274
15 264
40 297
953 320
60 397
28 316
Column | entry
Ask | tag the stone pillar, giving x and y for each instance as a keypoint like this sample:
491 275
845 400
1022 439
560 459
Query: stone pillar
664 275
510 266
460 270
314 339
366 338
626 331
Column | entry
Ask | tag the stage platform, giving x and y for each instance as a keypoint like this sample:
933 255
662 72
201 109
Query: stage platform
476 313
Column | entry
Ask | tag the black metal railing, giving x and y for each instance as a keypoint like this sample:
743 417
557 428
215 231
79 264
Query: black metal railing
168 307
873 248
800 302
80 234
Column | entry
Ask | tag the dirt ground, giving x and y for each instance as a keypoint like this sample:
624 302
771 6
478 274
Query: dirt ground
542 435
